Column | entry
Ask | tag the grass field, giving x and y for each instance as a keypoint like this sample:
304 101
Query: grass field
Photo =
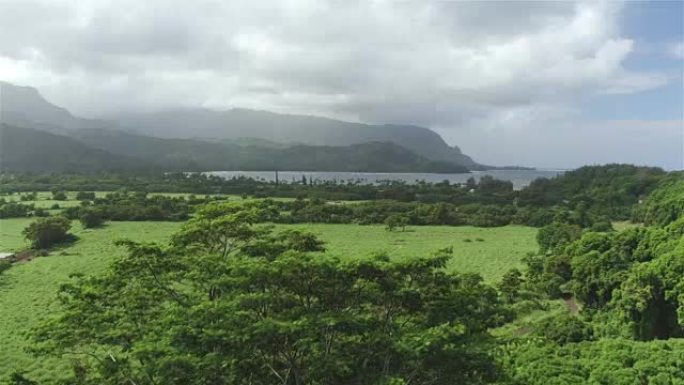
488 251
28 289
624 225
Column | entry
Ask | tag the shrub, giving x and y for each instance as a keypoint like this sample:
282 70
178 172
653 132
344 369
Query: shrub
46 232
40 212
59 195
564 329
556 235
14 210
85 195
91 218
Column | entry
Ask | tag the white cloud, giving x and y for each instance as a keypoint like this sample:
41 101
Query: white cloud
453 65
676 50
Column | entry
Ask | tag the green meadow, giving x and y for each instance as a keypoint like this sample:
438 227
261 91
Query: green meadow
28 290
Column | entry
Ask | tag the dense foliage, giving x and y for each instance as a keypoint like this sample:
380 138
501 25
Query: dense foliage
14 209
666 204
611 190
607 361
231 303
587 196
46 232
630 290
130 207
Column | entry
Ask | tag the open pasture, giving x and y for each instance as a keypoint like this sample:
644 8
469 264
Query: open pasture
28 290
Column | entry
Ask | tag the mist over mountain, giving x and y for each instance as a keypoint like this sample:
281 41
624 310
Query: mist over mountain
293 129
25 107
39 136
197 155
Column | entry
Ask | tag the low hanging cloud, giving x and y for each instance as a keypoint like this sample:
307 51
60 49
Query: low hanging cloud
455 66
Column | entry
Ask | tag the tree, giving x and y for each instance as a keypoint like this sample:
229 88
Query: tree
85 196
510 284
59 195
394 221
556 235
183 315
91 218
45 232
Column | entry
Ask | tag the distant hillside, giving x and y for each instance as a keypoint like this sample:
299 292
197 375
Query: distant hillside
25 107
29 150
186 154
281 128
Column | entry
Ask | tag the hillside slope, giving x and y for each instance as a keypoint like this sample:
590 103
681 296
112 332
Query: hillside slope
26 107
28 150
187 155
295 129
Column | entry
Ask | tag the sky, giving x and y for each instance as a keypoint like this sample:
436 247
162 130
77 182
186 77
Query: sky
543 84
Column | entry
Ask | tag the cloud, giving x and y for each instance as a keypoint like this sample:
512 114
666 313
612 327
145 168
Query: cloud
676 50
452 65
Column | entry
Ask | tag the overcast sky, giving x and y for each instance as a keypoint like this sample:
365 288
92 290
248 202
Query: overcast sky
546 84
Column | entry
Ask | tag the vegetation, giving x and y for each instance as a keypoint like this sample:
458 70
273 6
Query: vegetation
29 290
130 207
312 291
57 153
14 210
666 204
91 218
628 285
259 316
46 232
97 150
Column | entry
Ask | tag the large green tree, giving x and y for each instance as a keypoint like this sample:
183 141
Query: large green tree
229 303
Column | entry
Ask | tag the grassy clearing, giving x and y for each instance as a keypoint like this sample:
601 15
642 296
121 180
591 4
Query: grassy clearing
625 225
524 325
11 238
28 290
497 250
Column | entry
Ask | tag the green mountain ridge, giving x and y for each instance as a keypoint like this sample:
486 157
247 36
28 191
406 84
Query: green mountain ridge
26 107
29 150
194 155
284 128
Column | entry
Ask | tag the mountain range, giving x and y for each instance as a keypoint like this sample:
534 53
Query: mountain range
202 139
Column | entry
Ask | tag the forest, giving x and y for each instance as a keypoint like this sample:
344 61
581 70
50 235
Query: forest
249 283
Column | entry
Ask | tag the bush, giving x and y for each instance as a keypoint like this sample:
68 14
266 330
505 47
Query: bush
91 218
556 235
14 210
394 221
59 195
46 232
40 212
564 329
85 196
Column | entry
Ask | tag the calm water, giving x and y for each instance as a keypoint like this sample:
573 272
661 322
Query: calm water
520 178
